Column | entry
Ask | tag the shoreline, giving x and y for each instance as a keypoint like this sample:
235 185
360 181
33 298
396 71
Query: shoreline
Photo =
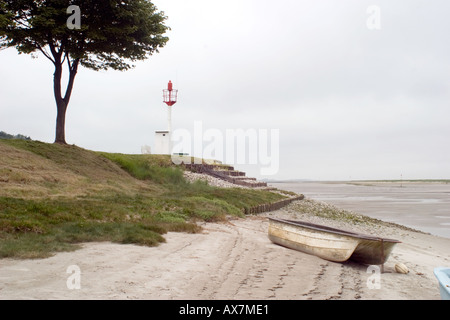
420 181
423 206
232 260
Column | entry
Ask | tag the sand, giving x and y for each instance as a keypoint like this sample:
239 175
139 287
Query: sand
228 260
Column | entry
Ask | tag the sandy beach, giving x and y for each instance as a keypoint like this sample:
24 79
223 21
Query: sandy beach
228 260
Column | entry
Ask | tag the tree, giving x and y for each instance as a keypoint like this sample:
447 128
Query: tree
112 34
4 135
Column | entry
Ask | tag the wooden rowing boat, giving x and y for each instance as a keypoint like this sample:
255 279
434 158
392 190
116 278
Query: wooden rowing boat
330 243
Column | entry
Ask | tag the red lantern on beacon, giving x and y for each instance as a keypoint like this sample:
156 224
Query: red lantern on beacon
170 98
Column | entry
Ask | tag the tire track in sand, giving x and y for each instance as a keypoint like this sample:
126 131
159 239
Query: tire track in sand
336 281
255 268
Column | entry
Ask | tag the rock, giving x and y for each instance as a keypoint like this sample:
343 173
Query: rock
401 268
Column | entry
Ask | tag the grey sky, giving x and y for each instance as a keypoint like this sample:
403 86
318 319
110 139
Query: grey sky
350 103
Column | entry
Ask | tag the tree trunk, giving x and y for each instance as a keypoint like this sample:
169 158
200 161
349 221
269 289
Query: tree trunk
61 107
62 103
61 122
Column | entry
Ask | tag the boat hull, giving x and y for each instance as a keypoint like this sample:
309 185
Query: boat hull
329 243
443 276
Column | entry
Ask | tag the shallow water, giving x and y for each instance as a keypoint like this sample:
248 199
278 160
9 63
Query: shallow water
422 206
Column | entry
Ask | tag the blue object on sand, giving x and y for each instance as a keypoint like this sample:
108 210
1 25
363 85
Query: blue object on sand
443 276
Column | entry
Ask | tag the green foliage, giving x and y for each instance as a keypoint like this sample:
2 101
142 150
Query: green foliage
144 168
112 31
4 135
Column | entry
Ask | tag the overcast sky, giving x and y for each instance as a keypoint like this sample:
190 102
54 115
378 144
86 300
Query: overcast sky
350 101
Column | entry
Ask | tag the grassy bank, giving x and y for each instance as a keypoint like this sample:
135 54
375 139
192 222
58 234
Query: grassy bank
53 197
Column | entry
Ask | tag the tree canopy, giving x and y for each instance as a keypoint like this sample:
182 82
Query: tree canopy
112 35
